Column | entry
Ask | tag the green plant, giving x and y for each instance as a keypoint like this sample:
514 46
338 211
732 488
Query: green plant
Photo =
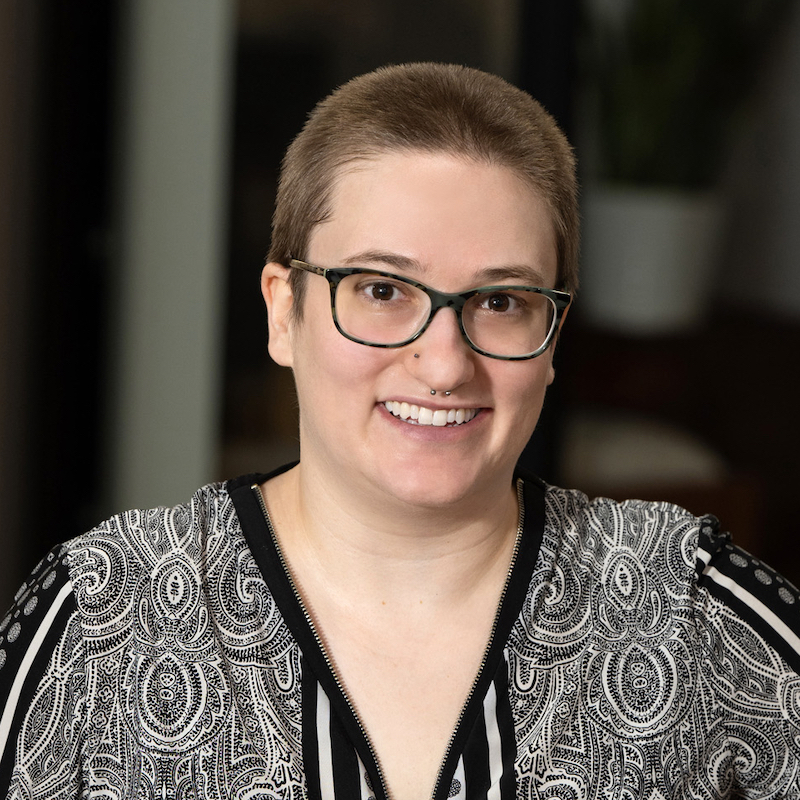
668 81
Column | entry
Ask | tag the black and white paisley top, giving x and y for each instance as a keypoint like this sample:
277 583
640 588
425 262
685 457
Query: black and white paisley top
636 654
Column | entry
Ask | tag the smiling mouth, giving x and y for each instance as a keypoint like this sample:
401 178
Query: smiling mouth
419 415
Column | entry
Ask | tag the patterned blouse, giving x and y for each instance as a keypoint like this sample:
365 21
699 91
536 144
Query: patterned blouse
635 654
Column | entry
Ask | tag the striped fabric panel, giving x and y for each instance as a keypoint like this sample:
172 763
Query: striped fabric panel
337 757
28 636
484 770
365 783
327 789
310 725
344 760
760 596
333 768
458 785
493 740
490 751
40 635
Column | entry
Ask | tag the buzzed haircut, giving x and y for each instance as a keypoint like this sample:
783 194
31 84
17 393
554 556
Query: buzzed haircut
427 108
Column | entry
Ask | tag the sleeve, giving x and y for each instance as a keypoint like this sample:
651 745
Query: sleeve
42 687
763 599
749 616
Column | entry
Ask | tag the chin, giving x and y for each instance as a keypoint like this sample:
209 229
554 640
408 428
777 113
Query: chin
434 485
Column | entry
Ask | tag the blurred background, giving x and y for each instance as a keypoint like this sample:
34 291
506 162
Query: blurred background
139 148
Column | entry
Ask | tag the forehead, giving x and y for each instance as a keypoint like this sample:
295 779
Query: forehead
445 217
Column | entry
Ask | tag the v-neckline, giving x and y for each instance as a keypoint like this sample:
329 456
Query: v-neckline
262 540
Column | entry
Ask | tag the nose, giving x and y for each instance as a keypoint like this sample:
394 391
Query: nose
445 359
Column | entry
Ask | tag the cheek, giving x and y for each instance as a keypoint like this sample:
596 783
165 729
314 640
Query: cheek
346 362
524 385
328 365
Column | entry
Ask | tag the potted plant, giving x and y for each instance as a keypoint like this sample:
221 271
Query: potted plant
665 82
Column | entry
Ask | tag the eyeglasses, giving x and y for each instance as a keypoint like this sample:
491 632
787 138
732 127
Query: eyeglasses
380 309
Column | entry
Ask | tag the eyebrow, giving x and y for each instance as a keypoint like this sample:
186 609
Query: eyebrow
389 259
520 273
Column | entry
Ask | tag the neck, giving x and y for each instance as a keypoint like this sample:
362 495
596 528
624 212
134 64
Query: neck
390 549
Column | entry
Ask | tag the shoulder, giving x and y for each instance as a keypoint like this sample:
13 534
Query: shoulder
139 586
731 593
42 607
146 536
741 594
41 666
159 557
660 535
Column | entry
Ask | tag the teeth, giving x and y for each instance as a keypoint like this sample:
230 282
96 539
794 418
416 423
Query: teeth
427 416
440 418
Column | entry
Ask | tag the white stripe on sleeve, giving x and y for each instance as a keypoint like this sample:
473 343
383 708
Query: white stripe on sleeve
27 662
772 619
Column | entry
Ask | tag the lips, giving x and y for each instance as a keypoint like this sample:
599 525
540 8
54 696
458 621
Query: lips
420 415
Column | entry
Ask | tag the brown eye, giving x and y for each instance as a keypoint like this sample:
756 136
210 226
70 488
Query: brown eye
498 302
381 291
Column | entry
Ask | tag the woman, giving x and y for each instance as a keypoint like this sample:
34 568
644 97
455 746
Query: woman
400 614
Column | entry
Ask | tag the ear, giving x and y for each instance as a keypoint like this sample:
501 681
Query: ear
278 298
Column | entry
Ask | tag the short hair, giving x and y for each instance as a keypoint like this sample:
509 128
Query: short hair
430 108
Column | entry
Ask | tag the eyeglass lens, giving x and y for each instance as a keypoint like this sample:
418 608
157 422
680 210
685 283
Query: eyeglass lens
504 322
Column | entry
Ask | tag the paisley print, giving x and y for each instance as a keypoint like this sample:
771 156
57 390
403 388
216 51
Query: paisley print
628 680
155 663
